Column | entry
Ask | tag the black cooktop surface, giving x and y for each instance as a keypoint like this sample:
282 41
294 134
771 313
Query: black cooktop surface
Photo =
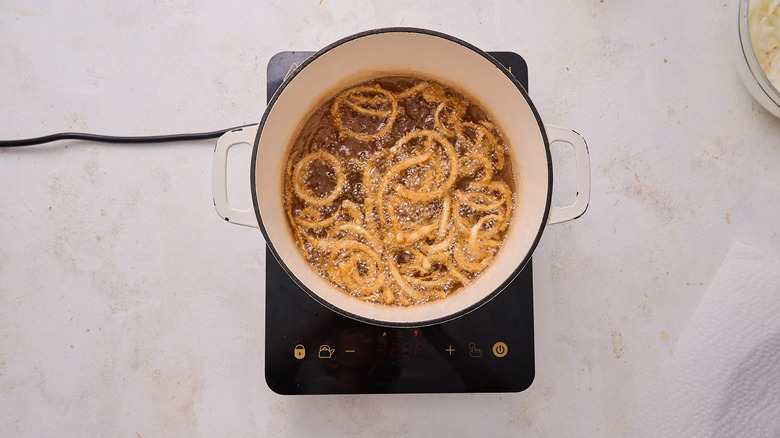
312 350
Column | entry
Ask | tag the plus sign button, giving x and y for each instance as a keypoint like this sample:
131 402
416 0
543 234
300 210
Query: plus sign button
500 349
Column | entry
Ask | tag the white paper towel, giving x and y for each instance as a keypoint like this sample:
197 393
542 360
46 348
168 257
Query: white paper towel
723 379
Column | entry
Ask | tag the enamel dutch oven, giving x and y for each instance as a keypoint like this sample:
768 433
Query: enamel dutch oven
423 53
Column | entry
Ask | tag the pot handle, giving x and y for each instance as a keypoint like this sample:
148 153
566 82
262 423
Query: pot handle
582 157
219 176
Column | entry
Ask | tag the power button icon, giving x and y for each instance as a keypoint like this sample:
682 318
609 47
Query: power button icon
500 349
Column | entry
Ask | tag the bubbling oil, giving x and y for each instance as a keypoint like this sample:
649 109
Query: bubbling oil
399 190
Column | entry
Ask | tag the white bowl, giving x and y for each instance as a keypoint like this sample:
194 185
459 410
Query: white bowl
749 69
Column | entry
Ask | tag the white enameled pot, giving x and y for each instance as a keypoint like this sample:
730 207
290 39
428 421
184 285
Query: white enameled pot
417 52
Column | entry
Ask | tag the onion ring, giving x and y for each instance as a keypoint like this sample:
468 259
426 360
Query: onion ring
298 178
351 98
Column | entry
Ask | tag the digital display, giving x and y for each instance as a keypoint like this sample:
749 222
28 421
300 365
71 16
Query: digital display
394 349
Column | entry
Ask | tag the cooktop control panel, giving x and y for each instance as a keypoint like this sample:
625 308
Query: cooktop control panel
313 350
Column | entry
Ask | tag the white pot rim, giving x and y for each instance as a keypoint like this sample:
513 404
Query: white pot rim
414 316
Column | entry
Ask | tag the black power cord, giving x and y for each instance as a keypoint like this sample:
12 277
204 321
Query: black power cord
115 139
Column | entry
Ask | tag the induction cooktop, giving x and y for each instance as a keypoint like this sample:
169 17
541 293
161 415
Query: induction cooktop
310 349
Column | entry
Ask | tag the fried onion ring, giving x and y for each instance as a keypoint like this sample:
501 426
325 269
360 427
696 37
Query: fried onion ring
299 176
358 100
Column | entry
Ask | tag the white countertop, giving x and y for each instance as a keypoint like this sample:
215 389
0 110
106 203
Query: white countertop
129 308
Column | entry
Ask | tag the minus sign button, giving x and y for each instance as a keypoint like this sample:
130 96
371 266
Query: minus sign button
349 351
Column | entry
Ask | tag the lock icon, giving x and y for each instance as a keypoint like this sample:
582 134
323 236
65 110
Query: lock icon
299 352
